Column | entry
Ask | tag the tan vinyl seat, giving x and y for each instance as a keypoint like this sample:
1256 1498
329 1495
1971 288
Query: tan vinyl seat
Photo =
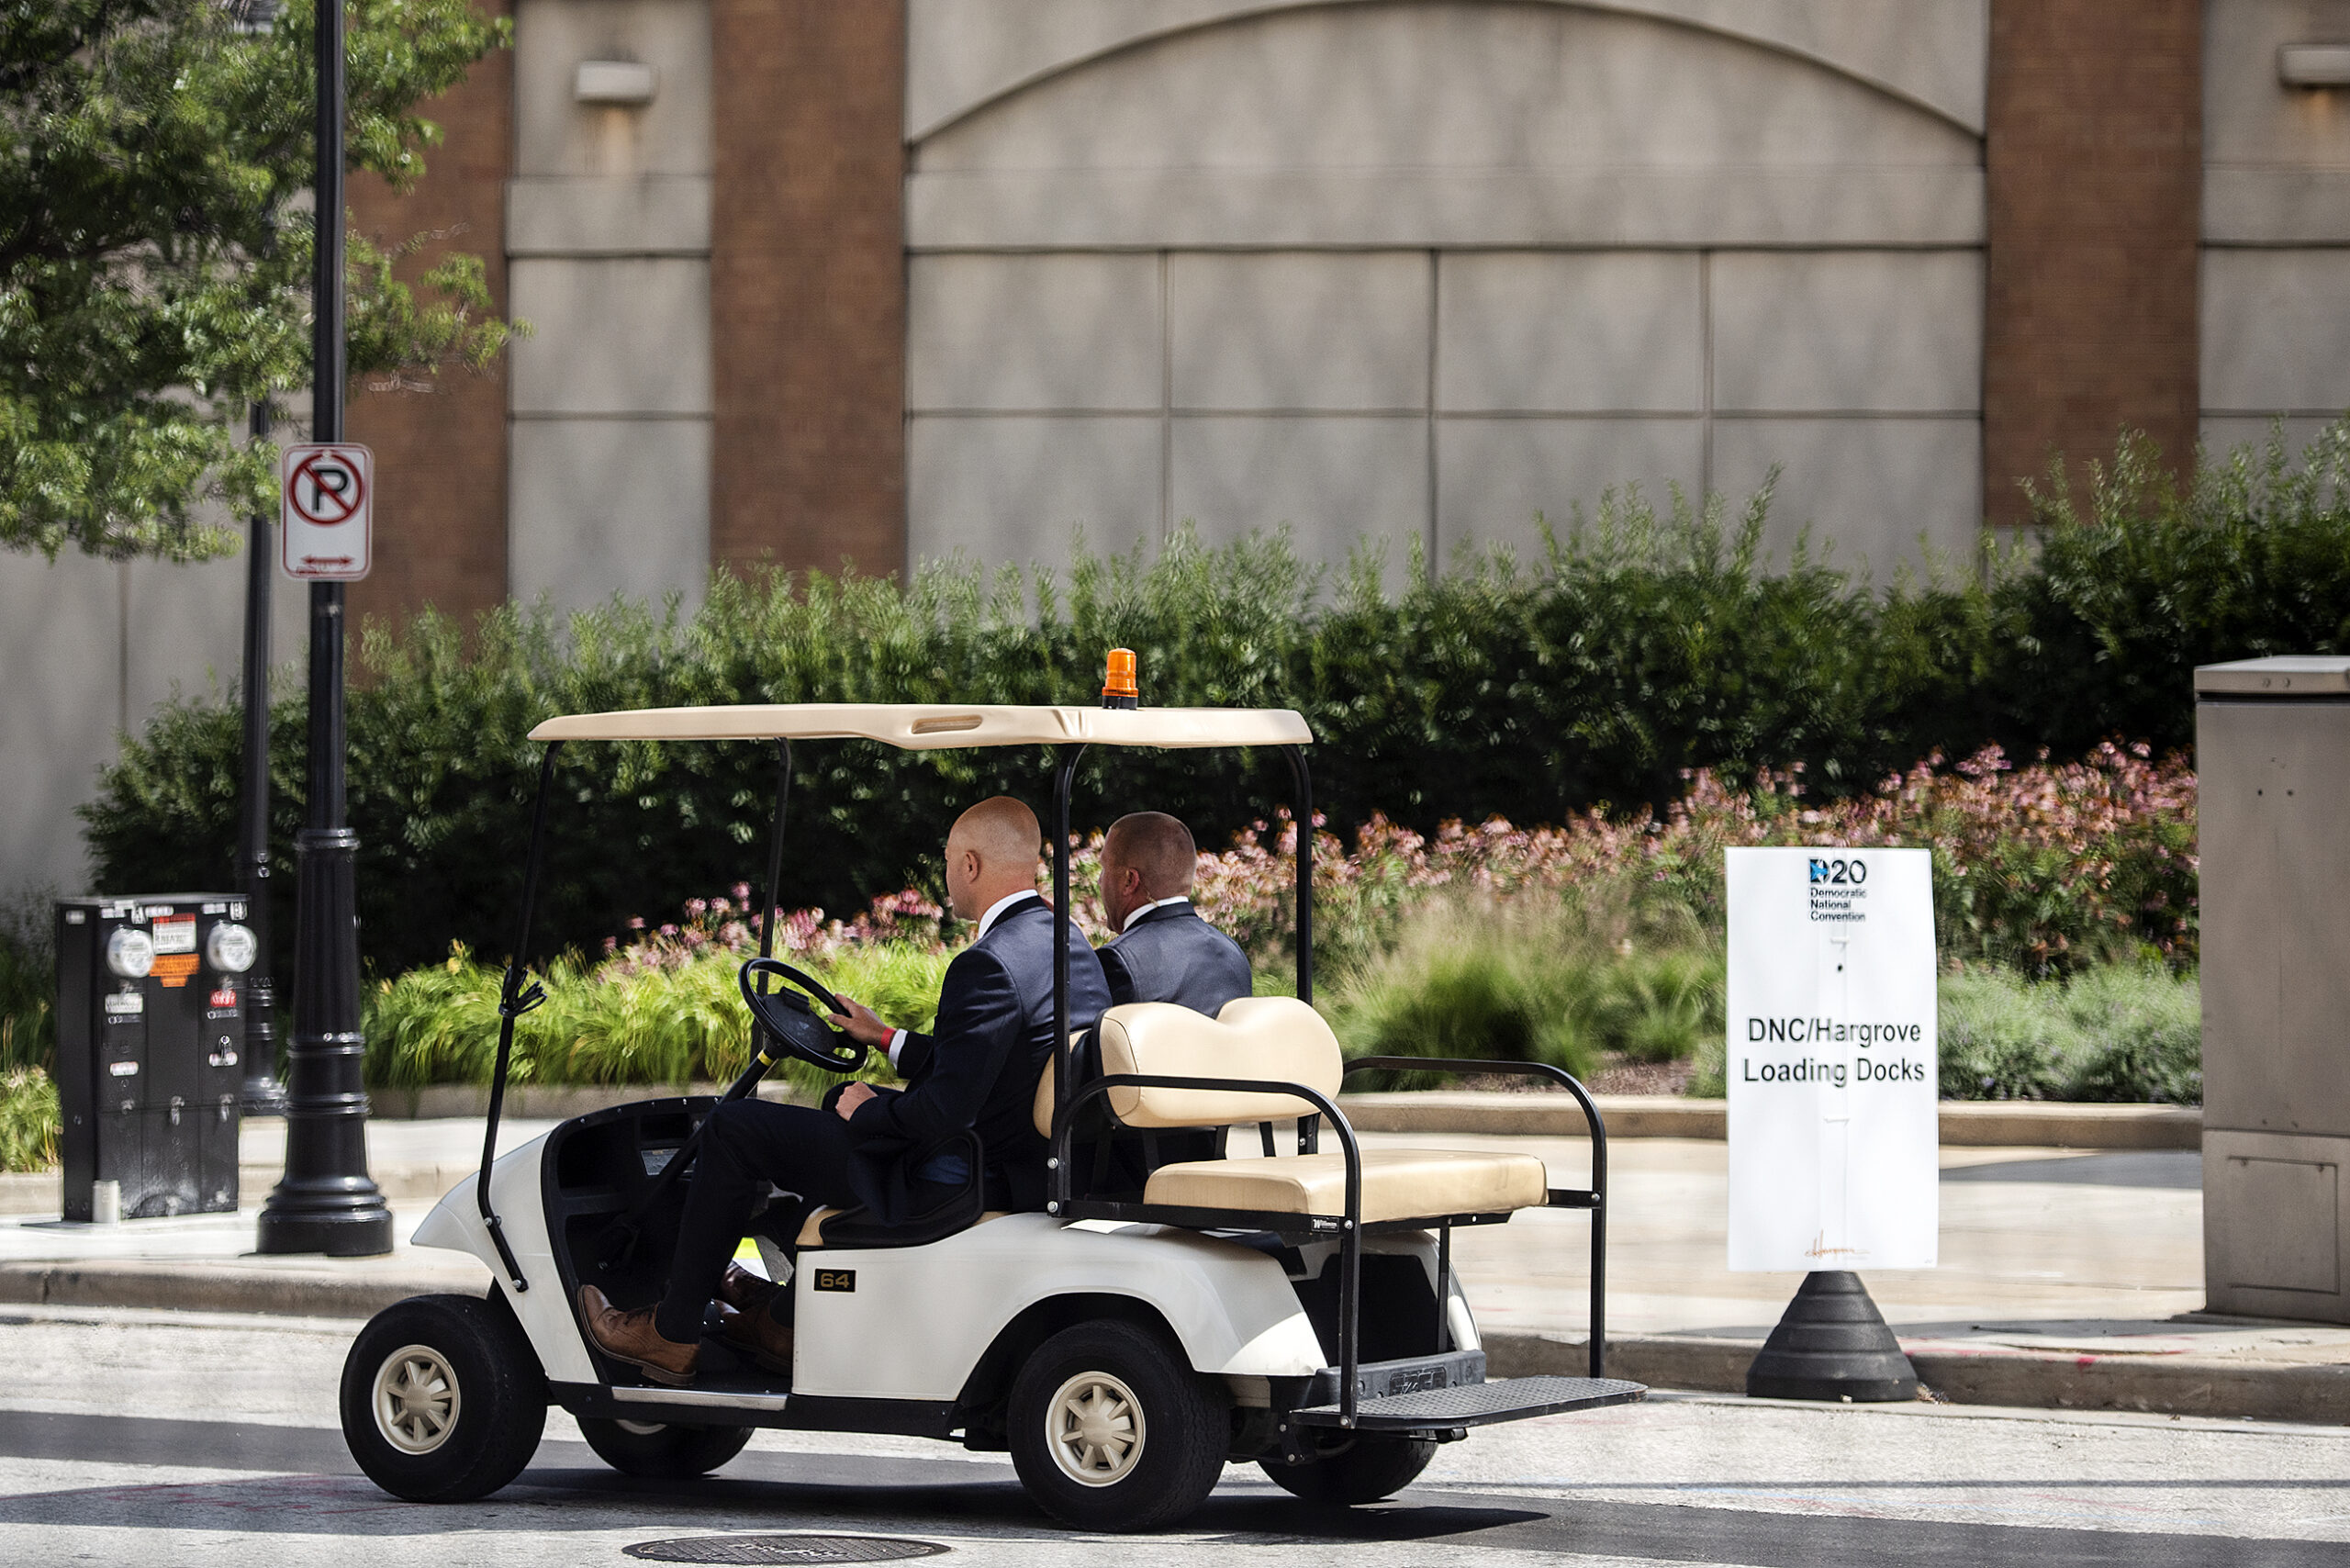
1281 1038
1397 1183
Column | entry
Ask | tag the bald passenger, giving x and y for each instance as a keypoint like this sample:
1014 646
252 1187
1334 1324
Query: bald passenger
1163 950
899 1154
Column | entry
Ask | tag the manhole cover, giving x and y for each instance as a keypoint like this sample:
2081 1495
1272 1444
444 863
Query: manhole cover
783 1548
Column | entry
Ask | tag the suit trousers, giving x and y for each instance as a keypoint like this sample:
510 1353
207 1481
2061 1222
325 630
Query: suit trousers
746 1144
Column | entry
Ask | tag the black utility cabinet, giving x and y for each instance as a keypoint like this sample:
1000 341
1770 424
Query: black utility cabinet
149 1027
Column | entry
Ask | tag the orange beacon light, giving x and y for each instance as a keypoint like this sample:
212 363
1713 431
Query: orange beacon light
1118 690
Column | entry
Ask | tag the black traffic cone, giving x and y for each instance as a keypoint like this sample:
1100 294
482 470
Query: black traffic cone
1831 1343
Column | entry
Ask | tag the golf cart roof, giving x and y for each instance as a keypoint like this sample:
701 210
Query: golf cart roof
931 726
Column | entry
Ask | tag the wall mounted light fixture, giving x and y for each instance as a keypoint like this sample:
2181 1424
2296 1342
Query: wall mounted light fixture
622 82
2314 65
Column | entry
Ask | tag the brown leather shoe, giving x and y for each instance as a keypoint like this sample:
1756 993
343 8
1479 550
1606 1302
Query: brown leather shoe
744 1291
759 1337
630 1336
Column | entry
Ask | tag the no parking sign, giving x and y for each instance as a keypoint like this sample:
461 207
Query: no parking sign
326 511
1834 1092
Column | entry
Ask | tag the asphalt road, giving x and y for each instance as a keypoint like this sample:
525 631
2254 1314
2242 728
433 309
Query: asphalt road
153 1438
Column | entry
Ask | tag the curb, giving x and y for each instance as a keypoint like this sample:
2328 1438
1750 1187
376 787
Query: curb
274 1293
2315 1393
1965 1123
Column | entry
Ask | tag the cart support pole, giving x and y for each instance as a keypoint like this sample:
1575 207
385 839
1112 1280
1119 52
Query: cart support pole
772 906
513 1000
1063 777
1309 1128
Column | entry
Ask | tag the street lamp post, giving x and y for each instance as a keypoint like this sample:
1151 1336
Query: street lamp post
325 1202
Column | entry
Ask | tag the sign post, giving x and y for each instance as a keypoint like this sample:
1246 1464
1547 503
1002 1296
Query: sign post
1834 1098
325 1202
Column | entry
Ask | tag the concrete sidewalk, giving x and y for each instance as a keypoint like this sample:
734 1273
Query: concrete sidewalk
2070 1277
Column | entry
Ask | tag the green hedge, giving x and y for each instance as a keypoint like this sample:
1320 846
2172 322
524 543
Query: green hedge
1641 646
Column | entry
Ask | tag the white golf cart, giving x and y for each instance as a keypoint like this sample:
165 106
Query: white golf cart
1298 1309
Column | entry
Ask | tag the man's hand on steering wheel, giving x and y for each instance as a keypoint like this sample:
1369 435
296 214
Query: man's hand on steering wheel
859 1023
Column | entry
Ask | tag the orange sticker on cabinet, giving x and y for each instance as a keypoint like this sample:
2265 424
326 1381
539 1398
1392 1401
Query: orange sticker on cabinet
174 969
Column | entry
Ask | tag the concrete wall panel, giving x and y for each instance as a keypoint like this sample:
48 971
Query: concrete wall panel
1444 124
962 53
1299 332
1333 480
2275 327
611 506
1873 488
662 215
60 635
623 335
556 134
2250 118
1035 332
2224 434
1019 488
1883 329
90 647
1494 476
1573 333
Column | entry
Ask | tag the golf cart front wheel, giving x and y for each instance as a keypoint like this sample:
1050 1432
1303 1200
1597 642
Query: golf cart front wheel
1112 1429
443 1401
661 1449
1373 1467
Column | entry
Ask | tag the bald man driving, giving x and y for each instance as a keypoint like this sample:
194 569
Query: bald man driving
880 1147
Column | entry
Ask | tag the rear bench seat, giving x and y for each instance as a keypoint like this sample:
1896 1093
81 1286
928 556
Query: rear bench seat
1280 1038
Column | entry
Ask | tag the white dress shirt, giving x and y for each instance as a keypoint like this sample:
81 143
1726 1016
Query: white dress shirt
1142 910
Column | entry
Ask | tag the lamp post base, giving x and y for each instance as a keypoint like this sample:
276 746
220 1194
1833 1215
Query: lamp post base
343 1216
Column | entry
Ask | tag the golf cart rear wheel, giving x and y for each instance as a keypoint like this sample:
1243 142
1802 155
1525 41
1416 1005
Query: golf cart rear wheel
443 1401
655 1448
1375 1467
1112 1429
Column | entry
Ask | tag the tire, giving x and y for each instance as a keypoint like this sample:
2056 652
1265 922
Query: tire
442 1399
1142 1391
668 1452
1374 1468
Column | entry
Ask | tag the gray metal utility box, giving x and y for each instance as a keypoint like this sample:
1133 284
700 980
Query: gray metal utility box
2272 744
150 1024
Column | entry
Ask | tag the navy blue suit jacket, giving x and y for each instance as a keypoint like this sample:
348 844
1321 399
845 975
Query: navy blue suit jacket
1170 954
977 1069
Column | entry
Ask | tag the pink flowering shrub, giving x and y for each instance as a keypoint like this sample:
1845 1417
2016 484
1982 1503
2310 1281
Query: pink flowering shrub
2043 868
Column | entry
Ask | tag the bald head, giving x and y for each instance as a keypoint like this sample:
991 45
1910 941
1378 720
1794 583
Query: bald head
1145 857
992 852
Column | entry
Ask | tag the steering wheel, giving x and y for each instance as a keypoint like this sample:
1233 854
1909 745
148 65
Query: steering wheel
792 1024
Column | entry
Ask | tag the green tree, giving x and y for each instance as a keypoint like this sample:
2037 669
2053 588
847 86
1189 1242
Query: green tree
155 273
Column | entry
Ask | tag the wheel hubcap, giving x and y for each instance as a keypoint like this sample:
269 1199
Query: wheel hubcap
416 1399
1094 1427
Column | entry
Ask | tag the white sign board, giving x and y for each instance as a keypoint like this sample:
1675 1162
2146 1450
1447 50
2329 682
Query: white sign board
1833 1088
326 511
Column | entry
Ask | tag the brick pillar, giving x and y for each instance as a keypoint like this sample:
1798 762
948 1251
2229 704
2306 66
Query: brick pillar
807 283
440 450
2094 163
